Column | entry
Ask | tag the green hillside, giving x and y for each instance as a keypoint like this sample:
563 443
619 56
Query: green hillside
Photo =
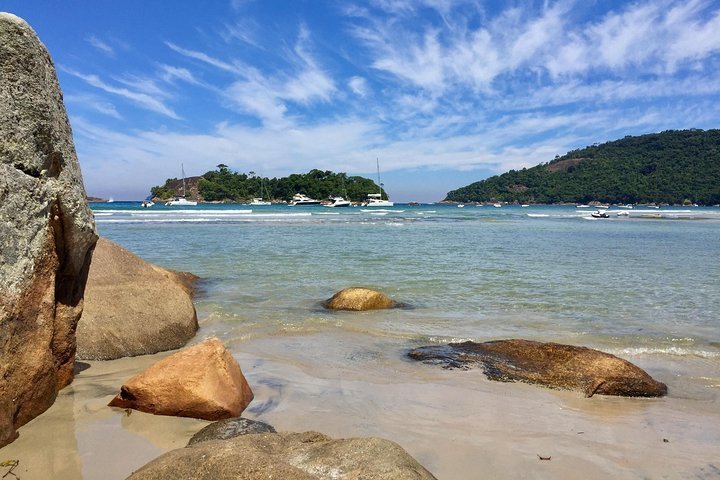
673 167
225 185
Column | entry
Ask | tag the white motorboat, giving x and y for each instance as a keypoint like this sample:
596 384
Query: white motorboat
375 199
497 205
147 204
181 201
300 199
258 202
338 202
599 214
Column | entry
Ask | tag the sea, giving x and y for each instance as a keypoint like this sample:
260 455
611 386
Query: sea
642 284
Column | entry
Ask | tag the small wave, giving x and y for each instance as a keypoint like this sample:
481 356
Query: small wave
102 214
537 215
674 351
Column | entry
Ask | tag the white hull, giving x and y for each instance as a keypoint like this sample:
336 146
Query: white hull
374 202
180 202
258 202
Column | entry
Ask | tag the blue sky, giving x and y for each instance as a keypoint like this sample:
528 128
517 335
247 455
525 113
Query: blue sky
442 92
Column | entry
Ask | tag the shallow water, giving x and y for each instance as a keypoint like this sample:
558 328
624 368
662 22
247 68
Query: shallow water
644 288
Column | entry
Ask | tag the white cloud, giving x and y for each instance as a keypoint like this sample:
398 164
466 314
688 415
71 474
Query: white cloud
359 86
142 100
101 45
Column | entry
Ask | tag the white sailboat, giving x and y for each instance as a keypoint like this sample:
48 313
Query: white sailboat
181 201
259 201
375 199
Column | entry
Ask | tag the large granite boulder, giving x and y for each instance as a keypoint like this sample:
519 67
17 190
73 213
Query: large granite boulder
203 381
287 456
359 299
133 307
47 231
548 364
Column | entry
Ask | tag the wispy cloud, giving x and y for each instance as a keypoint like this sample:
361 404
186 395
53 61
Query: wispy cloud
101 45
142 100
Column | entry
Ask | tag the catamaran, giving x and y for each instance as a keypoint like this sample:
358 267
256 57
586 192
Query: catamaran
181 201
375 199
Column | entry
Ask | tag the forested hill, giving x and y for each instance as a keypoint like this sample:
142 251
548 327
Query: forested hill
673 167
224 185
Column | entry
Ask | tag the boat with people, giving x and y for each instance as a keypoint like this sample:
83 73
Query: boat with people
301 199
147 204
181 201
599 214
375 199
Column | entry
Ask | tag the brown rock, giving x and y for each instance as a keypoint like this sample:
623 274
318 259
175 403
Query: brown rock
47 231
287 456
133 307
360 299
549 364
203 381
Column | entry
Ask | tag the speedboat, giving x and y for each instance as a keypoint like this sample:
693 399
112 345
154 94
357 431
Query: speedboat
147 203
300 199
338 202
258 202
497 205
599 214
180 202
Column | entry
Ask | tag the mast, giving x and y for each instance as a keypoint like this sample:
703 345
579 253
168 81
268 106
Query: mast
378 172
182 168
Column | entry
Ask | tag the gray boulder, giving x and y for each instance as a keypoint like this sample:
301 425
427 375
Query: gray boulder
230 428
133 307
289 456
551 365
47 231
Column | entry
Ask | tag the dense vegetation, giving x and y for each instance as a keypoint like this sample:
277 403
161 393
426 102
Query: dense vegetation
672 167
225 185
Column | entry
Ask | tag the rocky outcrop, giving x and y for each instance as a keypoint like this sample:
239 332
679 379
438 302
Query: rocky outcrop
548 364
359 299
133 307
230 428
46 231
289 456
203 381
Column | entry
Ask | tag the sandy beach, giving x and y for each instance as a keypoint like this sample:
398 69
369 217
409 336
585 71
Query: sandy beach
456 423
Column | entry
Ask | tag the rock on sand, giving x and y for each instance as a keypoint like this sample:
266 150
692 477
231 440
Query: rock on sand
132 307
203 381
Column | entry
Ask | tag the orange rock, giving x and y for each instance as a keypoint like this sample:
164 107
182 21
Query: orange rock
359 299
203 381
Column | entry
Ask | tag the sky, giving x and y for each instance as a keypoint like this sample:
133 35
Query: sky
442 93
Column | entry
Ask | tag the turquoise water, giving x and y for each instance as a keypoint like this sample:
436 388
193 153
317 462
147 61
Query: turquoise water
631 285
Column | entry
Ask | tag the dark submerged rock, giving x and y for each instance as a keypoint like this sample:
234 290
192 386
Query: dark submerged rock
230 428
551 365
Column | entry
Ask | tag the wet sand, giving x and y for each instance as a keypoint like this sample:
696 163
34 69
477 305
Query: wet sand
458 424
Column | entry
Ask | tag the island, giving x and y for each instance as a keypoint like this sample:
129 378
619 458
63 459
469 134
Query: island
675 167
